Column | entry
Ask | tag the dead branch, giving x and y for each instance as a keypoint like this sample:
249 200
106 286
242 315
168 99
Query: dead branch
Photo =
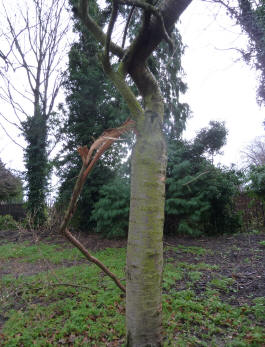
195 179
89 158
94 260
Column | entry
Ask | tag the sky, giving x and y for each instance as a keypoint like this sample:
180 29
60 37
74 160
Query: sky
220 85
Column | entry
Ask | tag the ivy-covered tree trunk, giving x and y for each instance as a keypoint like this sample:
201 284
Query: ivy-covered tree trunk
36 162
145 249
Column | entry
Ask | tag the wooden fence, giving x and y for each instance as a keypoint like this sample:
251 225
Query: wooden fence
252 210
17 211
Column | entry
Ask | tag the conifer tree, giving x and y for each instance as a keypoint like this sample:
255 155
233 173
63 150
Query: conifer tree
93 105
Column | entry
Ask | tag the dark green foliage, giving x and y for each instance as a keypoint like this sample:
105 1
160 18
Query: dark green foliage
37 167
111 212
199 196
10 185
211 139
256 179
93 107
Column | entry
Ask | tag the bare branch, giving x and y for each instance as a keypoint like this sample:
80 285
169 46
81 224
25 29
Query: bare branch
89 159
95 29
113 18
94 260
127 26
11 138
11 123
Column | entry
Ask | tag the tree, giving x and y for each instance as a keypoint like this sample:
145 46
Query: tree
250 15
200 196
254 153
144 251
256 179
92 105
10 185
211 139
33 51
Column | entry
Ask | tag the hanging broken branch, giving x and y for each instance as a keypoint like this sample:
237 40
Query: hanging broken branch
89 158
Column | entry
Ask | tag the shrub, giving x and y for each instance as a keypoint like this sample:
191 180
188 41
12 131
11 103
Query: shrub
199 196
7 222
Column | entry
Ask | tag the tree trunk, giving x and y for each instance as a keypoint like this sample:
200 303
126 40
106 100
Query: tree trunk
36 163
145 248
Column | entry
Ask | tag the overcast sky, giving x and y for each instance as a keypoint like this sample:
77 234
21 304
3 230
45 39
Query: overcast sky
221 86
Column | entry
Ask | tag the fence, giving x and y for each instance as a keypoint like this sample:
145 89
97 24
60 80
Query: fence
17 211
252 210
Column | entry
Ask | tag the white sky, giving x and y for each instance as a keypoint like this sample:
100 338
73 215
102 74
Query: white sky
220 87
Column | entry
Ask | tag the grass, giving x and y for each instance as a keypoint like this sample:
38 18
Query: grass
45 310
41 251
262 243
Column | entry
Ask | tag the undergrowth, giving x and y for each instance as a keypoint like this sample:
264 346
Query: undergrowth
80 306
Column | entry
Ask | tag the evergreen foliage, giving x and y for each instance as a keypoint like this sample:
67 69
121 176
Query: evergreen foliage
199 196
256 177
10 185
111 212
93 106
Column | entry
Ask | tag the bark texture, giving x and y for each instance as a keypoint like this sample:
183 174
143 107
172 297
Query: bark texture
145 249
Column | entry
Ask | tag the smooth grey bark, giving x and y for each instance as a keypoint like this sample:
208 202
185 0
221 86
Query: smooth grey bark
145 248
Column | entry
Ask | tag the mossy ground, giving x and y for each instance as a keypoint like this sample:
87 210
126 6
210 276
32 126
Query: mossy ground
57 299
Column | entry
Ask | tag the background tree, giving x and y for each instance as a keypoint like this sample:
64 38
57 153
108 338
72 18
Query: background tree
250 15
34 34
200 196
10 185
93 105
254 153
256 181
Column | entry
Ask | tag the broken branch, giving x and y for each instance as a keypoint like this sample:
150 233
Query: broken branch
89 158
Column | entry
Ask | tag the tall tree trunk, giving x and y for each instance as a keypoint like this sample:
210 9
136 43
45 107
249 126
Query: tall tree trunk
36 163
145 248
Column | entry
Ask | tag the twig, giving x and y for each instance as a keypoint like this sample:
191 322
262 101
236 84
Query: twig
127 26
194 179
